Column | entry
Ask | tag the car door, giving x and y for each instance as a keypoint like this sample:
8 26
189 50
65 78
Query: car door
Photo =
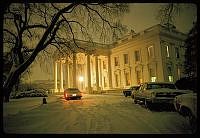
144 92
147 91
140 94
194 103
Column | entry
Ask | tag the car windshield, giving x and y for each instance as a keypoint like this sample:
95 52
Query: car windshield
72 90
134 87
157 86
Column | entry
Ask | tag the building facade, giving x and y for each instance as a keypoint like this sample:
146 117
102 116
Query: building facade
155 54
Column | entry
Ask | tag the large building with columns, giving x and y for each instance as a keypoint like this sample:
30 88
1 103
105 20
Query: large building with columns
155 54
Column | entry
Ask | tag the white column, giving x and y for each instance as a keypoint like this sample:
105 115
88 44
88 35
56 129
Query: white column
74 70
67 73
89 74
109 72
100 73
61 77
97 73
55 77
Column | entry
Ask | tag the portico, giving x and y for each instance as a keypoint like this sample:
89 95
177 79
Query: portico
88 72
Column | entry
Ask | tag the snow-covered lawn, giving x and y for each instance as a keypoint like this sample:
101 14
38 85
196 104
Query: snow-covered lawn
24 104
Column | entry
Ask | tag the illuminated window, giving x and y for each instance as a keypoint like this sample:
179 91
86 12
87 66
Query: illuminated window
152 75
125 58
150 52
153 79
116 60
166 48
127 78
137 55
170 77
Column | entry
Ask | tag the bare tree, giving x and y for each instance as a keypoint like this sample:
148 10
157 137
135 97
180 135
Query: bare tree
191 52
32 28
167 14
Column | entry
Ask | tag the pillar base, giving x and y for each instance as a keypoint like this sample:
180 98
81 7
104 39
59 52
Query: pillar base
90 90
61 90
55 90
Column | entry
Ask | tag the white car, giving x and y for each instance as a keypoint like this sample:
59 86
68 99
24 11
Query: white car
186 105
152 93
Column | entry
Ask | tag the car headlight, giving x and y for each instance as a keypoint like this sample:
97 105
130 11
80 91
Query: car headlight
177 100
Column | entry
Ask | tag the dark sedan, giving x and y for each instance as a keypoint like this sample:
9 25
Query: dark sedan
72 93
128 92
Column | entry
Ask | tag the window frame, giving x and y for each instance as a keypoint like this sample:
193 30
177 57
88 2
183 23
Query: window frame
150 52
137 58
126 59
116 61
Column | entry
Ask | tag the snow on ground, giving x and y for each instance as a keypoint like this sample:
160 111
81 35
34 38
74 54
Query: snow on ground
108 113
24 104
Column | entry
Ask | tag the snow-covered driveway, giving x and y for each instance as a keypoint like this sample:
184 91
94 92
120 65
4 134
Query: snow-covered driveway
114 114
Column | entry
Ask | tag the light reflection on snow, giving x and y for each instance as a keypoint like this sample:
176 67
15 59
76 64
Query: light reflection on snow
91 114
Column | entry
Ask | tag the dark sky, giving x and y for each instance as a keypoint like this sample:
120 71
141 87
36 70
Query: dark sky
143 16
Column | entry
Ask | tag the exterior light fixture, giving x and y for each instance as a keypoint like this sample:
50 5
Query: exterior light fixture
81 78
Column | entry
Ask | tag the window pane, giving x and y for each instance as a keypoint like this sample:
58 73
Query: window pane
166 50
125 58
152 75
137 55
170 78
153 79
116 59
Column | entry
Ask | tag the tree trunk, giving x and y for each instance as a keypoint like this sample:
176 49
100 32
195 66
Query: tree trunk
17 71
6 95
9 83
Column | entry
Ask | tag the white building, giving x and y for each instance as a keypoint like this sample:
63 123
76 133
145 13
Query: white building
155 54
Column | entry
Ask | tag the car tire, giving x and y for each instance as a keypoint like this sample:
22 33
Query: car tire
125 95
192 121
148 104
135 101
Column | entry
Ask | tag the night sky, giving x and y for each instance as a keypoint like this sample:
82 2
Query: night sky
143 16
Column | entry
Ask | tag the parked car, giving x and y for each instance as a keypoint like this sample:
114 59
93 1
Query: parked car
186 105
72 93
151 93
128 92
136 88
31 93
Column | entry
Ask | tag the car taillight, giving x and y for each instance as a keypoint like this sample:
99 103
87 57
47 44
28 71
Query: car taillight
66 95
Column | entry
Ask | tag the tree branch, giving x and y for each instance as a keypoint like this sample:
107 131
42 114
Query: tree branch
35 26
6 30
99 15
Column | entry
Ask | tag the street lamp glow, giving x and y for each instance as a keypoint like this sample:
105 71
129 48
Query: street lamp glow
81 78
